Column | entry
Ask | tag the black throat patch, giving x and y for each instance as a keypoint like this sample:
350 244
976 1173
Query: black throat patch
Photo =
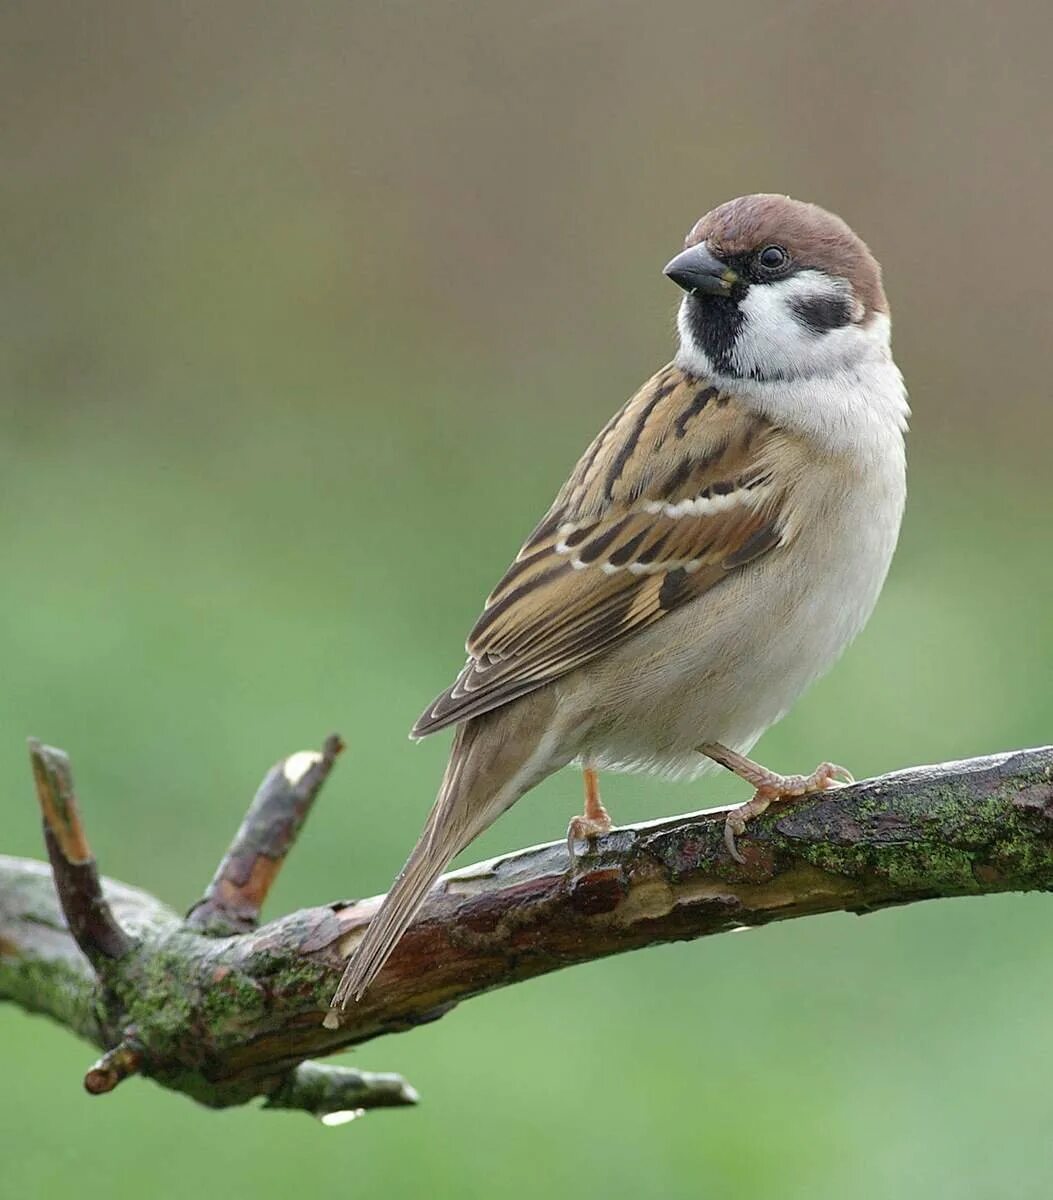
715 322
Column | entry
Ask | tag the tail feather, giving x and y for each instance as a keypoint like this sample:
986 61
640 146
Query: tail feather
460 814
391 922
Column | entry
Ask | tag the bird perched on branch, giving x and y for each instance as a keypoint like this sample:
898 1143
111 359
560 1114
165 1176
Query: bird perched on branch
718 545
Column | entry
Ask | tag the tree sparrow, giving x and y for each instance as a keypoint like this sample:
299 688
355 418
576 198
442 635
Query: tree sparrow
715 549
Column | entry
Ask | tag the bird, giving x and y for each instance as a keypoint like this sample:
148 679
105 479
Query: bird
717 546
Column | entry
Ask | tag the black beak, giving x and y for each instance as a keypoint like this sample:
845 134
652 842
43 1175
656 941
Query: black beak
698 270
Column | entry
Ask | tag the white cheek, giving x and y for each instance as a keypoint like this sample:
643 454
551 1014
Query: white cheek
840 388
774 343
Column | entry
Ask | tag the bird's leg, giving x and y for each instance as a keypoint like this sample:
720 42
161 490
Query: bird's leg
770 788
596 820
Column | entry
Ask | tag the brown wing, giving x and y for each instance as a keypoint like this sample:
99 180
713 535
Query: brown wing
679 489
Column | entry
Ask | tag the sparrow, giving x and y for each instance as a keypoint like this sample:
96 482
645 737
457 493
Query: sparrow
713 552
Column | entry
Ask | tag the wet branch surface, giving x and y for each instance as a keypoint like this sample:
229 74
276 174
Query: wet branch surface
225 1010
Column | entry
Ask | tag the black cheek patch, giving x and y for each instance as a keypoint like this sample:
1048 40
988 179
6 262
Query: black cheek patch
820 314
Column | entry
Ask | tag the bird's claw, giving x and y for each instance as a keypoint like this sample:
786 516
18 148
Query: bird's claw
586 829
837 776
781 787
733 827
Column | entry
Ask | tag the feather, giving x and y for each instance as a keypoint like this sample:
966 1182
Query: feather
678 489
488 771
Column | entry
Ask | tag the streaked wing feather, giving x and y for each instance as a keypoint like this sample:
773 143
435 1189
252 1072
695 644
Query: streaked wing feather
690 493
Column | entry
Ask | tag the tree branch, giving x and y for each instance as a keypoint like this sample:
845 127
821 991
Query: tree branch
76 876
276 815
337 1094
117 1064
226 1020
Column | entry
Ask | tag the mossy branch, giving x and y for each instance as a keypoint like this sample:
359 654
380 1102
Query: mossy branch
226 1019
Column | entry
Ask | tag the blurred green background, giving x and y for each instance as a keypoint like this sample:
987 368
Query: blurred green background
307 311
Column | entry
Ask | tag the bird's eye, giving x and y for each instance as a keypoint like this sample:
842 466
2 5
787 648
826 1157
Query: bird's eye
772 258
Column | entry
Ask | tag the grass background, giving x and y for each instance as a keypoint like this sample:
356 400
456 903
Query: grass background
307 312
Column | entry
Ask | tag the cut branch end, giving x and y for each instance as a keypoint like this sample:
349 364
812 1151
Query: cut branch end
77 882
233 900
115 1065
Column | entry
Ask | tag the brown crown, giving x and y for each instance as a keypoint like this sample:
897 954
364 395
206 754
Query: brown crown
813 236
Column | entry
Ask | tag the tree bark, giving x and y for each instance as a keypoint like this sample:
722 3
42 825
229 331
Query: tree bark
231 1017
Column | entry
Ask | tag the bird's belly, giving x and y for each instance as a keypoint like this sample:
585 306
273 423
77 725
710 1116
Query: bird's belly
729 665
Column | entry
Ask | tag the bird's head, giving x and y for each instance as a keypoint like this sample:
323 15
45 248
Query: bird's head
777 290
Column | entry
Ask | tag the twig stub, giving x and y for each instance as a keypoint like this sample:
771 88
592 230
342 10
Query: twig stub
115 1065
87 913
233 900
330 1092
